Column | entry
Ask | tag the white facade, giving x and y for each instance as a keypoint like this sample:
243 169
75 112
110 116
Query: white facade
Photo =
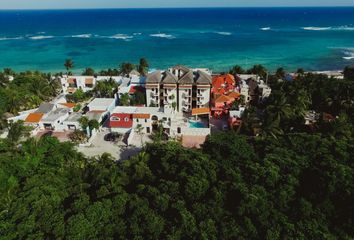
70 84
149 118
264 90
244 90
54 120
186 88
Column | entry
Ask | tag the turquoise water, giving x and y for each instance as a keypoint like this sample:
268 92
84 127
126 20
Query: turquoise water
313 38
194 124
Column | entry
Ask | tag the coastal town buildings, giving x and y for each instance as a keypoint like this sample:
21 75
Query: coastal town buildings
179 101
70 84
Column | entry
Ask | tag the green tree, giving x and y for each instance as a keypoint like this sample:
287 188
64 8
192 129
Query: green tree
349 73
126 68
124 99
69 64
88 72
84 122
280 73
16 131
93 124
237 70
143 66
259 70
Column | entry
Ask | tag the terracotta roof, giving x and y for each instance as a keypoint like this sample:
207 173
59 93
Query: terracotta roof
234 95
71 80
89 81
34 117
69 105
200 111
221 79
223 98
141 115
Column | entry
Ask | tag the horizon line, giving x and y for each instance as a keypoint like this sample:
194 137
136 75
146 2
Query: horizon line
151 8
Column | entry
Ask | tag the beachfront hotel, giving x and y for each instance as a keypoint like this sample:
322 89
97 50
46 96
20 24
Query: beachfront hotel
179 88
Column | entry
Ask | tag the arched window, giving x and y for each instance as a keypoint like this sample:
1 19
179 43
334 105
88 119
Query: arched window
154 118
126 119
115 119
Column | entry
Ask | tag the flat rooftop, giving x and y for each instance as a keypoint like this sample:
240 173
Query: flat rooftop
54 115
74 117
105 102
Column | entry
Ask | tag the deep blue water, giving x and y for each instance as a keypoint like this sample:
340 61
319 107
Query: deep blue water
313 38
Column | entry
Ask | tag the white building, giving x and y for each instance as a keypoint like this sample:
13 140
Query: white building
54 120
70 84
179 88
148 119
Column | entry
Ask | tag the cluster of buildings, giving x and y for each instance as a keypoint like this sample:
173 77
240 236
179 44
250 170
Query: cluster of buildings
179 101
127 84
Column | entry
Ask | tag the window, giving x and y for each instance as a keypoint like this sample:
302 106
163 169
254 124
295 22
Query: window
146 120
178 130
148 130
115 119
137 120
126 119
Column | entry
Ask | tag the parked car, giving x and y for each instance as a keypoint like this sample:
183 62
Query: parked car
111 137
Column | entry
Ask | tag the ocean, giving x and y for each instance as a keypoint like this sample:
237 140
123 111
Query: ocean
217 38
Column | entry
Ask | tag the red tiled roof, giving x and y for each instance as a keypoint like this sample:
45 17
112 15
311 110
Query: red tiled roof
134 89
69 105
223 98
141 115
234 95
89 81
71 80
34 117
121 120
200 111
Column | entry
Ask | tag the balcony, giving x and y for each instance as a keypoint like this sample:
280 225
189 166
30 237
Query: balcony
186 103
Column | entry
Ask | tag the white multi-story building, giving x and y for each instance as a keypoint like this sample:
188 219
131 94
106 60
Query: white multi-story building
179 88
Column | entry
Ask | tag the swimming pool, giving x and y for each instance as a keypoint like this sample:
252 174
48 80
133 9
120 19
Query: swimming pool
195 124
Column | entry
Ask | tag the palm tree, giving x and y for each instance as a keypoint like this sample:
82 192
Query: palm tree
280 73
16 131
69 64
126 68
260 70
84 122
143 66
237 70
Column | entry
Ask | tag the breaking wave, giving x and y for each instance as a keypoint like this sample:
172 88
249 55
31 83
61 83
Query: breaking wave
82 36
340 28
10 38
40 37
121 36
265 28
224 33
162 35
